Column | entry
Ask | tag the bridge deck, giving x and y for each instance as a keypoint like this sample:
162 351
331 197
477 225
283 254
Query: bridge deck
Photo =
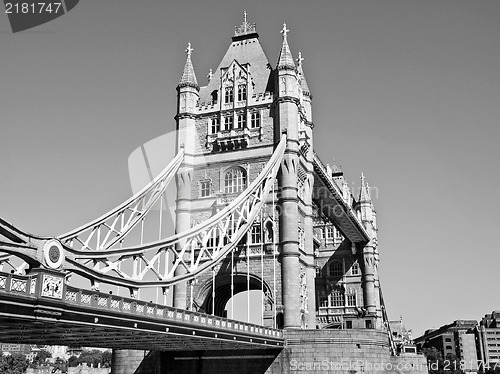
89 318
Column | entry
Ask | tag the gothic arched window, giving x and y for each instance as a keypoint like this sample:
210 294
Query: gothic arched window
228 95
235 180
355 269
242 92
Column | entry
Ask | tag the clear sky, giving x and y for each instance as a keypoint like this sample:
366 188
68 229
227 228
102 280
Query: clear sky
406 91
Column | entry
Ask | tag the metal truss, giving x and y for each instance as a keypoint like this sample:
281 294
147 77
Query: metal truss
111 228
188 253
97 252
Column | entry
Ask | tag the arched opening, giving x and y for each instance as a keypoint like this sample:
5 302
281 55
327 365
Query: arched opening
280 320
243 291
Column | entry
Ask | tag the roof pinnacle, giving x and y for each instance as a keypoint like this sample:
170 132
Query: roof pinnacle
285 60
188 76
189 50
284 30
364 192
245 28
303 82
300 59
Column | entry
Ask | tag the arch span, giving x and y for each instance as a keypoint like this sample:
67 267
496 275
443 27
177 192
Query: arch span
208 304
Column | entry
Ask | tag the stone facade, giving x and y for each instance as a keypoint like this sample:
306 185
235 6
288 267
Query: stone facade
319 286
306 351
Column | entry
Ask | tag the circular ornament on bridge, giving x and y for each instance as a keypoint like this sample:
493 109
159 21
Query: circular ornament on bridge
53 254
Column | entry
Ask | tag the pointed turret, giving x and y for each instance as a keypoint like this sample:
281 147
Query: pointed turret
364 193
302 77
285 59
188 76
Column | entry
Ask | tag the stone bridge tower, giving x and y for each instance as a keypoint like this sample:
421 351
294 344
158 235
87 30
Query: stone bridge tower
228 129
309 274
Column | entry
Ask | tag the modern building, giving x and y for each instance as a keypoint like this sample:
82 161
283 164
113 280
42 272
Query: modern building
456 339
15 348
488 340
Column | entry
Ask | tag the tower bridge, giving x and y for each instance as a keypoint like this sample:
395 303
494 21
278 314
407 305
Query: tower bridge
256 209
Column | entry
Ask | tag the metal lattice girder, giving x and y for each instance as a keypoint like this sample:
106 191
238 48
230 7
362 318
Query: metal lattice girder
195 250
112 227
19 244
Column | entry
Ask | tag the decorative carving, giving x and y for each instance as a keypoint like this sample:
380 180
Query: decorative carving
71 296
86 298
52 287
18 285
303 290
245 28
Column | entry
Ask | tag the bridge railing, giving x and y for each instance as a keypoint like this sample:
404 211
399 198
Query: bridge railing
136 307
49 285
18 284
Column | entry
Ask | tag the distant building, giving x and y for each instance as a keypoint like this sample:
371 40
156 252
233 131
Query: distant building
15 348
457 339
488 339
402 337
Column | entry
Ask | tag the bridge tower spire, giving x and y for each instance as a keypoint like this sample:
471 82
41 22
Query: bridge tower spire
287 116
306 139
369 255
187 99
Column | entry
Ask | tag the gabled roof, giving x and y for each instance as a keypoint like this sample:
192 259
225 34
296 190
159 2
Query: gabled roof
244 51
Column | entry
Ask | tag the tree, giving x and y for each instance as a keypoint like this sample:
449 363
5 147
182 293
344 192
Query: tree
73 361
40 358
13 364
438 365
94 358
106 359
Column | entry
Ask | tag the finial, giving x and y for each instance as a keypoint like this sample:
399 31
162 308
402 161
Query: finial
284 31
189 50
299 61
362 178
210 75
245 28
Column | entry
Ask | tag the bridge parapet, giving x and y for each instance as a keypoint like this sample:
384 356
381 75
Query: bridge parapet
50 286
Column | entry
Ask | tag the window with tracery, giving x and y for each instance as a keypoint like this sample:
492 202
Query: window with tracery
235 180
337 298
256 234
335 269
242 121
255 120
242 92
228 95
351 299
228 123
215 126
205 189
355 269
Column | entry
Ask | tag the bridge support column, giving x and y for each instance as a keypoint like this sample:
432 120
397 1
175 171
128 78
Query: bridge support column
127 361
183 223
187 98
369 280
289 241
